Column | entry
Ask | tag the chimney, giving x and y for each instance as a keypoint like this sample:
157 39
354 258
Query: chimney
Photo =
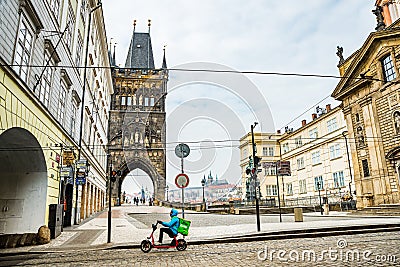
314 116
303 123
328 108
278 131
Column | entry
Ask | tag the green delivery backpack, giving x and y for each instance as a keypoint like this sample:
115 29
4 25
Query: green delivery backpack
183 226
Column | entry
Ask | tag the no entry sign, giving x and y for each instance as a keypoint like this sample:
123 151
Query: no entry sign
182 180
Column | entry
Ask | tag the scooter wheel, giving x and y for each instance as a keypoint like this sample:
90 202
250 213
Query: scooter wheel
146 246
182 245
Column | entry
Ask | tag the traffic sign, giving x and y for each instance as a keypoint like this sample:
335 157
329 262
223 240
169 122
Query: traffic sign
182 180
284 168
182 150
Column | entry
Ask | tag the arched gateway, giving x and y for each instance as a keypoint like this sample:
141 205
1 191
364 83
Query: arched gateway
137 116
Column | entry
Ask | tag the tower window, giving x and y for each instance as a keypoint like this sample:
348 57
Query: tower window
365 167
388 69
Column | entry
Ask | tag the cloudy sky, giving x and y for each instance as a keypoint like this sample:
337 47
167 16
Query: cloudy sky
254 35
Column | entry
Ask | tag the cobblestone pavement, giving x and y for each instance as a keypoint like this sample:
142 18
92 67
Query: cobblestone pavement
380 249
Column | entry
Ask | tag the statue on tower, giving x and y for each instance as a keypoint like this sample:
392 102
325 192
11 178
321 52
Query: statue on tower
339 53
379 18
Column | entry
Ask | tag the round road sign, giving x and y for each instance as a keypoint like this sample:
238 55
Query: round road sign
182 150
182 180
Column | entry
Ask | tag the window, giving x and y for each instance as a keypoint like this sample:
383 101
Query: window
318 183
271 151
55 7
45 84
83 10
285 148
265 151
300 163
298 141
334 151
129 101
313 133
71 25
289 189
271 171
23 49
152 101
123 100
357 117
302 186
338 179
61 103
389 73
316 157
364 163
73 119
79 47
272 190
146 101
331 125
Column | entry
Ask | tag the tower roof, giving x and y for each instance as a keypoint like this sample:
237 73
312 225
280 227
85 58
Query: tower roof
140 54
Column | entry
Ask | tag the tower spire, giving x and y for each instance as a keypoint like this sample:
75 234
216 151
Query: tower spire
134 25
164 62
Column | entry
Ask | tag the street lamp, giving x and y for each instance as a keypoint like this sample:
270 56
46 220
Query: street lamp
319 195
254 175
348 161
203 183
167 191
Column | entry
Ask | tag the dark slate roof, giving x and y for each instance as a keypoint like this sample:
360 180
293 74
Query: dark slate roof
140 54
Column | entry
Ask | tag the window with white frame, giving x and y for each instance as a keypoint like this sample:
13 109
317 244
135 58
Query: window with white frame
338 179
331 125
61 103
270 171
271 151
265 151
289 189
45 84
313 133
318 181
316 157
70 26
302 186
244 153
123 100
271 190
285 148
129 101
73 119
334 151
146 101
298 141
389 72
152 101
55 7
79 47
23 49
300 163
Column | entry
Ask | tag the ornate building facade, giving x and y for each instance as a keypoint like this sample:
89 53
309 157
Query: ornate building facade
46 117
371 104
137 122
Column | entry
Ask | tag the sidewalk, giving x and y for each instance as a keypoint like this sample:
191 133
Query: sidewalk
127 231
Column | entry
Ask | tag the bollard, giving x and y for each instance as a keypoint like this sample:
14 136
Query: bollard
326 209
298 214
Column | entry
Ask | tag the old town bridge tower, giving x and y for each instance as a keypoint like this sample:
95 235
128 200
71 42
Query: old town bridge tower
137 117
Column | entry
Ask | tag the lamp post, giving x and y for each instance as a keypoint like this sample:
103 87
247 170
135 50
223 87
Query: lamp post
167 191
83 101
319 195
348 161
203 184
254 175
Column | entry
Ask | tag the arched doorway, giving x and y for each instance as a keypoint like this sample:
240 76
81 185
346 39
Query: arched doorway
137 184
23 180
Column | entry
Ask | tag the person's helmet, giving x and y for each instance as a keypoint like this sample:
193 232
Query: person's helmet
173 213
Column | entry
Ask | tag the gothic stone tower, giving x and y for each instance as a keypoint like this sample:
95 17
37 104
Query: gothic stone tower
137 118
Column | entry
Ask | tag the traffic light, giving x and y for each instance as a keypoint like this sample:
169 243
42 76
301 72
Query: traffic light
248 170
113 176
257 161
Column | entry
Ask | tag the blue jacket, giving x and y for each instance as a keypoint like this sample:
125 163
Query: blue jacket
173 224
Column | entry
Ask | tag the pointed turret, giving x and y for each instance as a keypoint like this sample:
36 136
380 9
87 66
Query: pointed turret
140 54
164 62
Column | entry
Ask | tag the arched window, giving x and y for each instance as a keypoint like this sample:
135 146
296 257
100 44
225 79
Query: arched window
396 122
360 136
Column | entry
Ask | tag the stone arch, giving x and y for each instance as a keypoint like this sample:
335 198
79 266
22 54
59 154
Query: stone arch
23 181
146 166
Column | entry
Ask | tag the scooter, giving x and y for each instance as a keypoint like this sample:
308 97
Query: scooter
148 244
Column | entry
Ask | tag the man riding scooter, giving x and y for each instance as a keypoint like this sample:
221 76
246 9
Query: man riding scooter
172 225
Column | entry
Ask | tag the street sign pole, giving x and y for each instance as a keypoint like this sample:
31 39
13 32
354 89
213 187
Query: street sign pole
183 190
182 151
255 178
